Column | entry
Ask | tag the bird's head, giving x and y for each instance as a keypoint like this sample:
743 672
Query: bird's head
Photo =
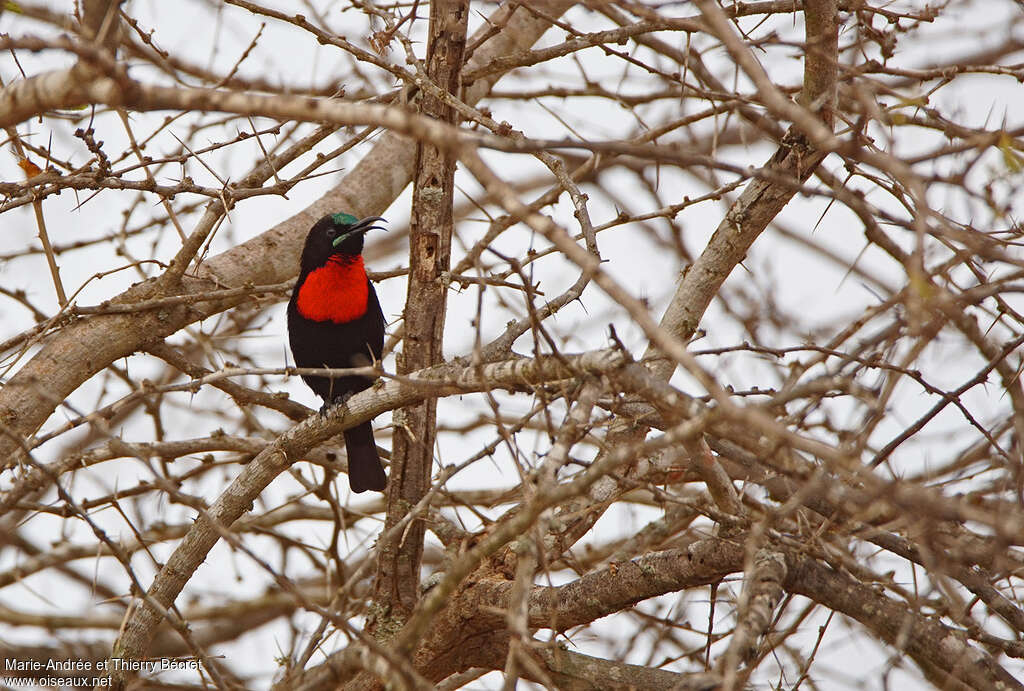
336 235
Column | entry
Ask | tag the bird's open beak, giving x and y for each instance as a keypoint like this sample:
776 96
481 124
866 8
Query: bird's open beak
361 227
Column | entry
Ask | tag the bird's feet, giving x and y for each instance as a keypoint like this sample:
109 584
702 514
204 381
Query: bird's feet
338 400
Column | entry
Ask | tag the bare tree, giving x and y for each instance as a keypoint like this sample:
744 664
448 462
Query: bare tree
703 360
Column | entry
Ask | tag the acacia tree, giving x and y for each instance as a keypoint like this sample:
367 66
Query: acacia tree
703 357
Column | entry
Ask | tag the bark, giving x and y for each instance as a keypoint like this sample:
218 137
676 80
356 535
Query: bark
430 239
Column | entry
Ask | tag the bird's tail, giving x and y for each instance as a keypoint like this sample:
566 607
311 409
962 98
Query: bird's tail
364 468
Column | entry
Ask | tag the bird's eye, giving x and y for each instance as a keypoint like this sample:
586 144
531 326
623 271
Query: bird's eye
331 232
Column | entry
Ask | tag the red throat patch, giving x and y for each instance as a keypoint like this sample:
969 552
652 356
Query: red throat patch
336 292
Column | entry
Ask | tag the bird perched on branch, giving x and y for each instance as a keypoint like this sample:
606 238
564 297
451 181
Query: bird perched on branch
335 320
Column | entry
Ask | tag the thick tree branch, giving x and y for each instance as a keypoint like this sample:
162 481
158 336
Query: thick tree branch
430 245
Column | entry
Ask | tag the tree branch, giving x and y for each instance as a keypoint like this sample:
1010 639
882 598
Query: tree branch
430 244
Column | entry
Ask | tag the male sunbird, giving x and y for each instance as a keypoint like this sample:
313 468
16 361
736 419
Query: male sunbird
335 320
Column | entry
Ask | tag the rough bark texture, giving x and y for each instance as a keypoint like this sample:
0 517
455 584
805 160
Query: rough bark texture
430 242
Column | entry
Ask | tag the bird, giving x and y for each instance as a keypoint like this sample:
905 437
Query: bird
335 320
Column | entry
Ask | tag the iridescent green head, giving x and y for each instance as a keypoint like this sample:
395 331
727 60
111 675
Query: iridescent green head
343 219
